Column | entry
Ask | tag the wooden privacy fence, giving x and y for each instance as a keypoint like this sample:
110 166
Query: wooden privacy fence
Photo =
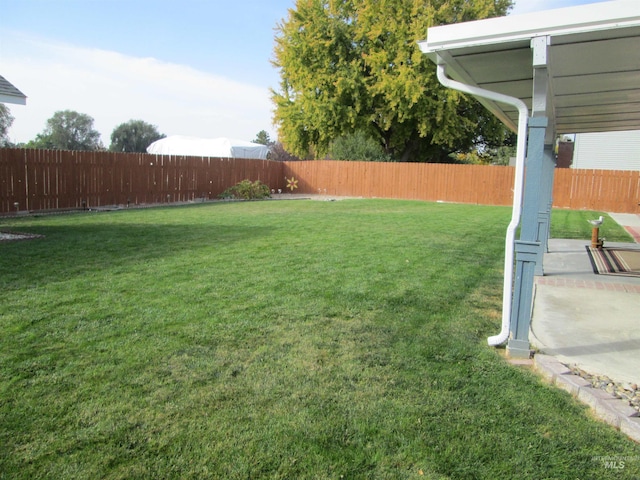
476 184
53 179
603 190
56 179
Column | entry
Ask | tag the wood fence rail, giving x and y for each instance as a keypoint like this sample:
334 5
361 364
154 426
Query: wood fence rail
52 179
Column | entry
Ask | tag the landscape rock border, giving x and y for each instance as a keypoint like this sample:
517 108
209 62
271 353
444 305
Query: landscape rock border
620 411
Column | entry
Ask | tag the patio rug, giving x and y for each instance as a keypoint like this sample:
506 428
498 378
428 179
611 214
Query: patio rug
615 261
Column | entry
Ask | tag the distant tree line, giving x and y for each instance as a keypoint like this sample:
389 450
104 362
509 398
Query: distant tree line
70 130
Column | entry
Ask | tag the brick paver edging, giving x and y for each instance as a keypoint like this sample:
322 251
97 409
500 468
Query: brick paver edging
634 232
612 410
588 284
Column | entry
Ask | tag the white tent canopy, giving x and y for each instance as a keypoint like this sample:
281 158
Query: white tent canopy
208 147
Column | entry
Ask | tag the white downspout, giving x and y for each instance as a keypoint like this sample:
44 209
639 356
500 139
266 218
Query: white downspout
523 116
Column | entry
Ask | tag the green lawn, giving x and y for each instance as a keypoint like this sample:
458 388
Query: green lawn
277 339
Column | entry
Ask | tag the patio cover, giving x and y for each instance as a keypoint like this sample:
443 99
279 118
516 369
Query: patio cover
577 70
593 63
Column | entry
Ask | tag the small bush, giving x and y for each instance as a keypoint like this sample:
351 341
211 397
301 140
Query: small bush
247 190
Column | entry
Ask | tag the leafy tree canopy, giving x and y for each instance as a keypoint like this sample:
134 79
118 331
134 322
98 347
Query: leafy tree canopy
262 137
354 65
134 136
68 130
6 120
357 146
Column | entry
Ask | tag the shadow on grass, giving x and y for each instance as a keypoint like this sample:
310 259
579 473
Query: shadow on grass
68 250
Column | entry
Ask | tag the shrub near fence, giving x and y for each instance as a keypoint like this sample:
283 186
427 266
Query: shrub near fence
54 179
57 179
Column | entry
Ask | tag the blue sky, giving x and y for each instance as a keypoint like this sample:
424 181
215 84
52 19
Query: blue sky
191 67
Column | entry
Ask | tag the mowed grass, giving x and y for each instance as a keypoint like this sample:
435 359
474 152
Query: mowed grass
276 339
575 224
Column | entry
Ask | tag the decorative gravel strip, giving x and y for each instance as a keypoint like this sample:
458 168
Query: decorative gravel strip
625 391
618 408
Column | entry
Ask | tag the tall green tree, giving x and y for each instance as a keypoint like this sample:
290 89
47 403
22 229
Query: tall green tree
354 65
68 130
262 137
134 136
6 120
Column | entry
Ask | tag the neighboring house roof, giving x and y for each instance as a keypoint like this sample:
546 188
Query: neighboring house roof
593 60
10 94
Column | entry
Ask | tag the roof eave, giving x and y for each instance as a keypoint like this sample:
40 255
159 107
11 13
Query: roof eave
16 100
518 28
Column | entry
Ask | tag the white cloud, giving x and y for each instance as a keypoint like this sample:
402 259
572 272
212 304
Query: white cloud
114 88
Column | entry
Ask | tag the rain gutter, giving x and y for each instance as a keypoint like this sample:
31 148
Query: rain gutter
518 187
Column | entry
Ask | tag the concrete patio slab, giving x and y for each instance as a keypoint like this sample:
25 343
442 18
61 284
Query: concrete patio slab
587 320
591 322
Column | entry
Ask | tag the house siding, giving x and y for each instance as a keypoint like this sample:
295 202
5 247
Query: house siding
607 151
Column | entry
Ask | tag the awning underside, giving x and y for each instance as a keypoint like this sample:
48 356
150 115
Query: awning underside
594 76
